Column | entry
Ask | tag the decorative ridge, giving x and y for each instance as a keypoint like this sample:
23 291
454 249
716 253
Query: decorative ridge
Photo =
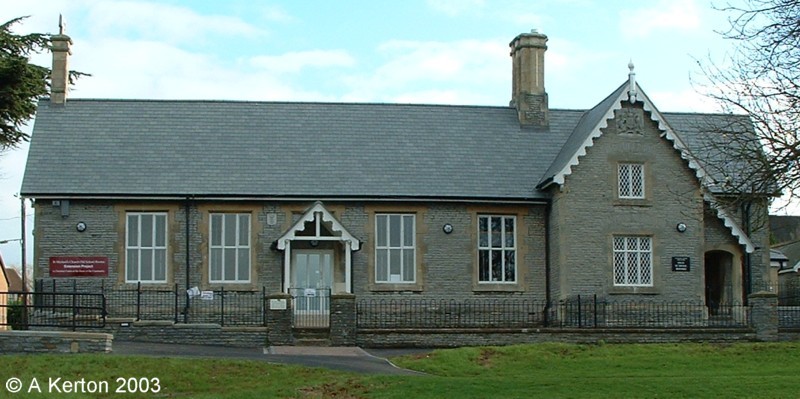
310 215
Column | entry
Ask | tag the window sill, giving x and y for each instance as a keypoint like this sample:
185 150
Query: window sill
494 287
230 287
633 202
148 285
634 291
395 287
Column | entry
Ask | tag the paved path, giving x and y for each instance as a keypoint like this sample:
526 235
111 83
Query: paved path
352 359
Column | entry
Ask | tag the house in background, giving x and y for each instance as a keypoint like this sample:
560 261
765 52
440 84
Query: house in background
785 238
391 200
4 288
14 282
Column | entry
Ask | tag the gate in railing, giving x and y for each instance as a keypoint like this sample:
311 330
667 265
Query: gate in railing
310 307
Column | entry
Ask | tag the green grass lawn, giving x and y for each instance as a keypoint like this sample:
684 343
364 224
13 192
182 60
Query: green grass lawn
522 371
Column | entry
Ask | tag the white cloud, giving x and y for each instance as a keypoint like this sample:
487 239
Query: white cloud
295 61
411 67
163 22
671 15
276 14
145 69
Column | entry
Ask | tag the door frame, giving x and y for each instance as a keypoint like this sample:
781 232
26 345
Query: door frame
310 315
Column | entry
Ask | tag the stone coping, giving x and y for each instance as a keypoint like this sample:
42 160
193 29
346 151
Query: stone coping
57 334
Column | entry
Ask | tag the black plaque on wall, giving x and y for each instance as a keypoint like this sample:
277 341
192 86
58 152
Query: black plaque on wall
681 264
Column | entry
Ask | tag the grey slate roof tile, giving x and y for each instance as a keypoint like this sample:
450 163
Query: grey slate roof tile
316 150
163 148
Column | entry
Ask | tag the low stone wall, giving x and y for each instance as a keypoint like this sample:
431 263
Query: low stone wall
789 334
449 338
191 334
54 342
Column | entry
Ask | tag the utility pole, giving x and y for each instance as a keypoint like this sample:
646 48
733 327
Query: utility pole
24 264
24 248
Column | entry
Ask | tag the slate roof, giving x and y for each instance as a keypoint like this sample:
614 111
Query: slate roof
319 150
172 148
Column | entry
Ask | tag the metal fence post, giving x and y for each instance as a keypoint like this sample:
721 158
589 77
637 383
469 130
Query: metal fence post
263 305
580 313
74 309
222 306
138 300
595 310
175 313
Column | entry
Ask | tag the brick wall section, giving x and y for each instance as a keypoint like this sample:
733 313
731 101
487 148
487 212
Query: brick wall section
458 338
343 320
56 235
54 341
354 219
535 110
448 260
191 334
764 315
587 213
279 322
759 259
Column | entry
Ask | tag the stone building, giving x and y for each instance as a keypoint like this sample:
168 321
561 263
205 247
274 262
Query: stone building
390 200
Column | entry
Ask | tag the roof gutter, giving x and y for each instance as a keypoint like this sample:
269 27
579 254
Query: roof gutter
216 197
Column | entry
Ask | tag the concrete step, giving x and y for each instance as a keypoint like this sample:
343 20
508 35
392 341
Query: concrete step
312 342
312 333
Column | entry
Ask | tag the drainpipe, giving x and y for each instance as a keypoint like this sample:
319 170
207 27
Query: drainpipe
187 210
747 280
547 263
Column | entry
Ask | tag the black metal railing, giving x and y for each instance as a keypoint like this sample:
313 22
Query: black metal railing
59 310
224 307
310 307
789 306
578 312
592 312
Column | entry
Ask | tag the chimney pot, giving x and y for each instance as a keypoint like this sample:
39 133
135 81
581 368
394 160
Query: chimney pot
59 77
528 95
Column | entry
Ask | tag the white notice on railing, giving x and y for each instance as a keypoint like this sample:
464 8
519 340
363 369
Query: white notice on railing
311 292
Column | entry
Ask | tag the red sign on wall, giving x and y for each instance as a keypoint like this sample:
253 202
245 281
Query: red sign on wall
78 266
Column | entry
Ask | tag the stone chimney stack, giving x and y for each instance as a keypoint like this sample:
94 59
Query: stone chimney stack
527 92
59 78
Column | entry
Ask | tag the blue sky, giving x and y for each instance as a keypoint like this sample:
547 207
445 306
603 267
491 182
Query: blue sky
411 51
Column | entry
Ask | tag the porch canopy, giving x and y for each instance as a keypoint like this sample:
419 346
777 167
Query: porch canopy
317 217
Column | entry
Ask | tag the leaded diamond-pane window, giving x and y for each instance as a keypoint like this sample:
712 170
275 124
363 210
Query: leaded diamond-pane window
497 249
631 180
633 261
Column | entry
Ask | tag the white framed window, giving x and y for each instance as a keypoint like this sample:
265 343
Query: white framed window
631 180
395 248
633 261
497 249
146 247
229 248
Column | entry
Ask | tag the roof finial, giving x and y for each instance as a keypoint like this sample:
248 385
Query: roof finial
631 83
62 25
